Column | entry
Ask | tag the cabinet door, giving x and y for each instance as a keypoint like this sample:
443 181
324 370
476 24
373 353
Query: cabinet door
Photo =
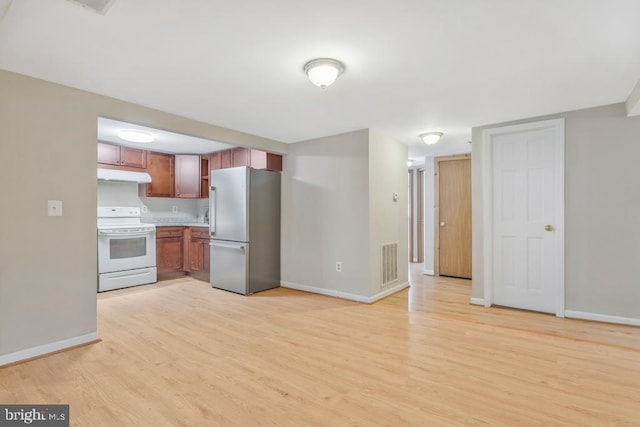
225 159
169 254
187 176
196 255
133 157
240 157
214 161
108 154
160 167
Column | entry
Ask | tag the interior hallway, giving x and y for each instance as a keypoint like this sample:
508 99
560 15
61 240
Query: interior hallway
181 353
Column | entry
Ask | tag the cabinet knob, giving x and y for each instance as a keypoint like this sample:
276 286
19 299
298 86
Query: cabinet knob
548 227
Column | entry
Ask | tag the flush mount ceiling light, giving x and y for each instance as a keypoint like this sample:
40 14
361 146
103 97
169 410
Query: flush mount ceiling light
430 138
133 135
409 163
323 71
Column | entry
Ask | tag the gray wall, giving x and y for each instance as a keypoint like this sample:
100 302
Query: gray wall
338 206
429 215
602 210
325 218
48 265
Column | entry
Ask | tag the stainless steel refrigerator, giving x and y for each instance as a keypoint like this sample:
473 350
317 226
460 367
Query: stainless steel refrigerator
244 218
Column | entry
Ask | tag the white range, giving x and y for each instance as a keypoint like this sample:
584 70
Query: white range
126 249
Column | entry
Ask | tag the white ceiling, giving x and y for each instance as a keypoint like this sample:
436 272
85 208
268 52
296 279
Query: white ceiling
167 142
412 66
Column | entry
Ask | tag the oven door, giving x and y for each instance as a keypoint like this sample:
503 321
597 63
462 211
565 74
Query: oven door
126 249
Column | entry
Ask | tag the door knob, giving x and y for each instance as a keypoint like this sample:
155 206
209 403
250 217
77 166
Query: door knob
442 224
548 227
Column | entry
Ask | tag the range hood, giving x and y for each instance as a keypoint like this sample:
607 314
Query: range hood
123 176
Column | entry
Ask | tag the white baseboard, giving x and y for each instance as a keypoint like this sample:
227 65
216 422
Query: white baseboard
388 291
39 350
477 301
345 295
602 317
429 272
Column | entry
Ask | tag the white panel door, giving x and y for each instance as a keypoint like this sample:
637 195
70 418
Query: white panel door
526 218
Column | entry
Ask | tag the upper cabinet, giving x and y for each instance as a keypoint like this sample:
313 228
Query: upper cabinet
161 168
116 156
256 159
187 176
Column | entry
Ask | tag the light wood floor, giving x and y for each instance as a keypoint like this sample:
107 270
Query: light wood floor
181 353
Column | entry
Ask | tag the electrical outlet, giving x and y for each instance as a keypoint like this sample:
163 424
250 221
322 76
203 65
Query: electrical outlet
145 209
174 209
339 266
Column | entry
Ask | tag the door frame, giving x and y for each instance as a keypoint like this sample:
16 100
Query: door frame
436 200
487 191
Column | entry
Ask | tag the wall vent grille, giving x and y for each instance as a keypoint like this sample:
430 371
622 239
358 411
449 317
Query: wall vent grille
389 263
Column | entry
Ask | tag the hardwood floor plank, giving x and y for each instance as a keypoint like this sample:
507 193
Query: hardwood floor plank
181 353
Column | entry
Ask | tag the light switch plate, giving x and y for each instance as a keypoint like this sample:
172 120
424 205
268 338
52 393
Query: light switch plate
54 207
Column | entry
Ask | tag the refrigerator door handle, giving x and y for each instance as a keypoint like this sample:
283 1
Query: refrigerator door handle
227 245
212 212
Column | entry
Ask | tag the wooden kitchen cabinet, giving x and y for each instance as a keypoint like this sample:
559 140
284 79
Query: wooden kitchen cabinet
188 176
161 168
169 249
121 157
204 177
256 159
197 252
263 160
240 157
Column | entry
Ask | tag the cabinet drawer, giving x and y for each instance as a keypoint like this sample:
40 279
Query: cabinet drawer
162 232
199 232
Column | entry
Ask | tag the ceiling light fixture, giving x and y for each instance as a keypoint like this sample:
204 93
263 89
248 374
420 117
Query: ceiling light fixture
133 135
323 71
409 163
430 138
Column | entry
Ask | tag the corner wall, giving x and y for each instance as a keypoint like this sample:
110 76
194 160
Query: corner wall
602 211
325 215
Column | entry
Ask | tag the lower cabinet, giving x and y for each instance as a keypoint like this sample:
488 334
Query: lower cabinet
198 264
169 249
183 249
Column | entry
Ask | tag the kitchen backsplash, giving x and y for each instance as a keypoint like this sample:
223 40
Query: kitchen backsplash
155 210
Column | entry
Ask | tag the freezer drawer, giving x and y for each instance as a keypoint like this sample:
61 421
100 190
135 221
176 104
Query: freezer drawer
230 266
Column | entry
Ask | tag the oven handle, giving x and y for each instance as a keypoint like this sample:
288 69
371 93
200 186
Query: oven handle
116 234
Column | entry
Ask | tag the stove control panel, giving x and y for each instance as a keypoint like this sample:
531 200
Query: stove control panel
118 212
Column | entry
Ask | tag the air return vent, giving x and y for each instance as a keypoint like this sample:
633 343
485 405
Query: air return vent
389 263
100 6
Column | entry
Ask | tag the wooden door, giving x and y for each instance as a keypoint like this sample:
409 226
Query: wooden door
225 159
527 216
161 168
132 157
169 254
453 251
240 157
196 255
188 177
108 154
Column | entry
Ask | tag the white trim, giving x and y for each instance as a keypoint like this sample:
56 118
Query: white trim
487 193
429 272
602 318
40 350
345 295
388 291
477 301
